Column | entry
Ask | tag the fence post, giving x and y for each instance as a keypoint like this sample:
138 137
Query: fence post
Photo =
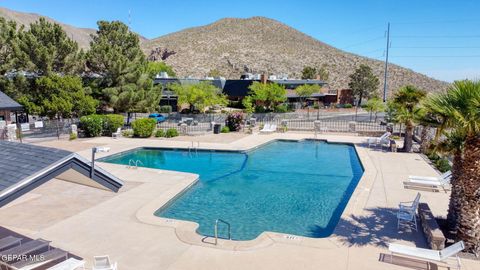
352 126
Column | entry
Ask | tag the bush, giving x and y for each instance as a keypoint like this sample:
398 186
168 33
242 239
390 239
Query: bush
166 109
92 125
348 106
111 122
127 133
260 109
443 165
171 132
160 133
234 121
316 107
225 129
143 127
281 108
73 136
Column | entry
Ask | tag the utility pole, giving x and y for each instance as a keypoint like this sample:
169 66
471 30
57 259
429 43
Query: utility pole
386 65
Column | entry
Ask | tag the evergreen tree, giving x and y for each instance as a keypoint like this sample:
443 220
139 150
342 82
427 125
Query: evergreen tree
363 83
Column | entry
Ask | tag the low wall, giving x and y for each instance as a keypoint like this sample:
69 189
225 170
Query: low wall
435 238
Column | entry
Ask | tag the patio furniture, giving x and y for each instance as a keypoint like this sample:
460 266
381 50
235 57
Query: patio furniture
69 264
428 254
428 183
26 248
43 259
410 206
103 263
269 128
407 213
9 241
117 134
445 175
406 219
384 139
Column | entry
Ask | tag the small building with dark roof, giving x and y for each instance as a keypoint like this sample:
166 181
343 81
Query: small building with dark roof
7 106
24 167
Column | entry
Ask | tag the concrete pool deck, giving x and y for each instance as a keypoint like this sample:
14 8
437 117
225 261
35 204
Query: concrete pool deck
123 226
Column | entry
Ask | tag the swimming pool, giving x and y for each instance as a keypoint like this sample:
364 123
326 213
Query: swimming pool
298 188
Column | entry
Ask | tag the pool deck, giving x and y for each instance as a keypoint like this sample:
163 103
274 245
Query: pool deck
123 226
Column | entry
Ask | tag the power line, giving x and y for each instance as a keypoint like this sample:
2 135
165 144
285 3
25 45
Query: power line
437 36
363 42
436 47
439 21
434 56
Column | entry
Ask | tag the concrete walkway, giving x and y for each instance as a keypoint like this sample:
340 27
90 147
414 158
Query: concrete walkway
123 225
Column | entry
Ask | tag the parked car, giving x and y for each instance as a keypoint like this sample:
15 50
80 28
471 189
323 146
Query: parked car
160 118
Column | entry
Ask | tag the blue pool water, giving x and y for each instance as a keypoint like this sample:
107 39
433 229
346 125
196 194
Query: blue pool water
297 188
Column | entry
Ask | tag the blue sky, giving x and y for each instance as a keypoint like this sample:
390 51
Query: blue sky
439 38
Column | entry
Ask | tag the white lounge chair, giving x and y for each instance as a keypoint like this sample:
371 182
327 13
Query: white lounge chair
428 254
269 128
429 183
384 139
69 264
445 175
117 134
103 263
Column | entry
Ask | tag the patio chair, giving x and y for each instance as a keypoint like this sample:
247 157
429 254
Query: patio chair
117 134
445 175
406 215
410 207
69 264
268 128
428 254
103 263
9 241
429 183
384 139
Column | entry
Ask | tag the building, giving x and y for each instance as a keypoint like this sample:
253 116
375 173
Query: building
7 107
237 89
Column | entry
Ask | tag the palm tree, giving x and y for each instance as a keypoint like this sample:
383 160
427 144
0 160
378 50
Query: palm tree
460 107
408 100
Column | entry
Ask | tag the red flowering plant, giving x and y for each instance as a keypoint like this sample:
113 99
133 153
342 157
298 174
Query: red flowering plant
234 121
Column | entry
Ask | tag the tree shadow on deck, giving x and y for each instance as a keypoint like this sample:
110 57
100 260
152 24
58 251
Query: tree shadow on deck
377 227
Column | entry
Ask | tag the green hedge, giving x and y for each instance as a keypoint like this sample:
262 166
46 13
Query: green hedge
166 109
144 127
92 125
111 122
160 133
171 132
95 125
225 129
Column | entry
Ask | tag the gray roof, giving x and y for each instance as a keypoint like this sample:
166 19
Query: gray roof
6 103
24 167
20 160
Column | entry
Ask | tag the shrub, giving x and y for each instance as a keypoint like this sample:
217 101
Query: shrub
127 133
260 109
166 109
171 132
316 107
282 108
348 106
160 133
143 127
234 121
73 136
92 125
111 122
225 129
443 165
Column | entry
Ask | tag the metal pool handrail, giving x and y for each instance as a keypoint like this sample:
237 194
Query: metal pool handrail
216 229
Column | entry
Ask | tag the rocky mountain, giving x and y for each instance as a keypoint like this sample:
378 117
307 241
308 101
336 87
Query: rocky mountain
81 35
257 45
262 45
